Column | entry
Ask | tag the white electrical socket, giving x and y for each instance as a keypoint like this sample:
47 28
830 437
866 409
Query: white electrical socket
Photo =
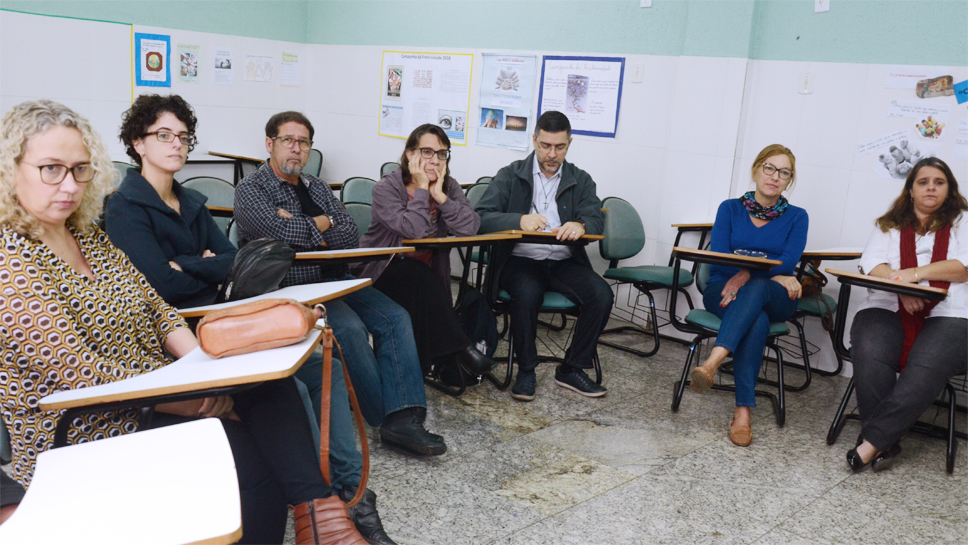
638 72
821 6
805 85
645 4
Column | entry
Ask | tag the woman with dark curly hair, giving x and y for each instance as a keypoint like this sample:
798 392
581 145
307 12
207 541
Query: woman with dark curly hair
165 228
904 349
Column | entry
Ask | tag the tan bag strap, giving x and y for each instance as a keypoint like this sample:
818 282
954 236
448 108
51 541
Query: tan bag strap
328 340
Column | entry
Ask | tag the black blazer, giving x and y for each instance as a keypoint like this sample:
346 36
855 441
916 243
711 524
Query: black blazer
152 234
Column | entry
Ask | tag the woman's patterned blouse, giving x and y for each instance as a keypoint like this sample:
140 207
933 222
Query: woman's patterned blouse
60 330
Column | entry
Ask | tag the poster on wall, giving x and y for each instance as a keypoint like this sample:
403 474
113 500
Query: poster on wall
222 68
418 88
507 92
152 54
188 62
258 68
289 70
896 154
586 89
930 118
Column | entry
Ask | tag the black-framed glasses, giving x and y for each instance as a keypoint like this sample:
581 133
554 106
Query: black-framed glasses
749 253
289 142
54 173
785 173
167 137
427 153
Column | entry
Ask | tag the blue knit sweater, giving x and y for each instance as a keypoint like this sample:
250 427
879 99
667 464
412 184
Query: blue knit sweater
783 238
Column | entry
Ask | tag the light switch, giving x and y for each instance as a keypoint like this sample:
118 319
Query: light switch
638 72
821 6
805 85
645 3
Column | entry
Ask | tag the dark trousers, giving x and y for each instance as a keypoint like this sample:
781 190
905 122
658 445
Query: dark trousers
745 327
274 457
889 403
413 285
527 280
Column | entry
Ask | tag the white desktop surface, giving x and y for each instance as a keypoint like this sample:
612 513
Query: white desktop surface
169 485
305 293
195 371
335 254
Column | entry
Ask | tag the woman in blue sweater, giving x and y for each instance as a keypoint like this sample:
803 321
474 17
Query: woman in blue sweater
747 301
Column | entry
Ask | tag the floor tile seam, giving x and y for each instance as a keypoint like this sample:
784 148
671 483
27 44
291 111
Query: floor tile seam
805 507
733 483
557 513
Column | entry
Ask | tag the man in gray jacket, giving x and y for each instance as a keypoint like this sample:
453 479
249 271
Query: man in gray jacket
543 192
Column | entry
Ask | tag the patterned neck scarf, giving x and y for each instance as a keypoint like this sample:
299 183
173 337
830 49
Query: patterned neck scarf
759 211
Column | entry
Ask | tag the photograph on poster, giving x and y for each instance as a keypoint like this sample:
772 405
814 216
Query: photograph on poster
492 119
930 128
452 122
188 63
936 87
507 80
394 82
577 95
896 160
516 123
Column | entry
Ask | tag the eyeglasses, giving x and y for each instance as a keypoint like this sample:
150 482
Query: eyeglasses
54 174
785 173
427 153
167 137
289 142
750 253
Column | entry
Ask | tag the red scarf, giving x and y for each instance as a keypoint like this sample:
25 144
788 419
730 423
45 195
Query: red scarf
912 323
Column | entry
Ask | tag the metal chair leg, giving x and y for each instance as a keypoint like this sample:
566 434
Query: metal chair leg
952 449
680 386
510 371
838 424
781 390
637 329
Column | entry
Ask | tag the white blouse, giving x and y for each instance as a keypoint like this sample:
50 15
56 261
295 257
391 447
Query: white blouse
886 248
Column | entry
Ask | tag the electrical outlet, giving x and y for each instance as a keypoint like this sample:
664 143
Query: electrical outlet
821 6
638 72
805 85
645 4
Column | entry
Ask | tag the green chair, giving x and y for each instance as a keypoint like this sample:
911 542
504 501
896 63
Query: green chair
314 165
233 233
625 238
357 189
704 324
219 193
361 214
474 194
484 180
554 303
387 168
122 168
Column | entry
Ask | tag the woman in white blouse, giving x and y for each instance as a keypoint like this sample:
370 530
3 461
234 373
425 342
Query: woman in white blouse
922 239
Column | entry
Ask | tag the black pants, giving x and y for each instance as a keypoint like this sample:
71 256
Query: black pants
413 285
526 281
274 457
889 403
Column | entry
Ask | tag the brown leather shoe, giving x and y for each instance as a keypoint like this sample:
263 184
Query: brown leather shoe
741 436
325 522
702 378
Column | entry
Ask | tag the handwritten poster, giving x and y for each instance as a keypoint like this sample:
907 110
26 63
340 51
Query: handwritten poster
418 88
586 89
507 92
289 70
258 68
152 54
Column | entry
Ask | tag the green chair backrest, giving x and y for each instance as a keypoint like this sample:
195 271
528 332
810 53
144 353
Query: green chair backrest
475 192
219 193
122 168
248 167
624 234
361 214
702 274
314 165
484 180
357 189
387 168
233 232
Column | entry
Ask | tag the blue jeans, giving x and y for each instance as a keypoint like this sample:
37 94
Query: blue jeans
746 324
387 377
345 461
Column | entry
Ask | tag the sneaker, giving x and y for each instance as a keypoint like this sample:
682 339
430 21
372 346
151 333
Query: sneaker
404 428
579 382
524 385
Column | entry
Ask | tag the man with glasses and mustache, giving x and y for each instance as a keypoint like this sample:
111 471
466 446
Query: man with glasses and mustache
543 192
282 202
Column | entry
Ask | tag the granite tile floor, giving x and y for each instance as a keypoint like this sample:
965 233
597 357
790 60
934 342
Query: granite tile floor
624 468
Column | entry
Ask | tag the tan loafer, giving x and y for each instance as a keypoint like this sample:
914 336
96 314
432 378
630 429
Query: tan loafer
701 379
741 436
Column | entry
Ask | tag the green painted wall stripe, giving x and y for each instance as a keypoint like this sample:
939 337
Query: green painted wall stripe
854 31
66 17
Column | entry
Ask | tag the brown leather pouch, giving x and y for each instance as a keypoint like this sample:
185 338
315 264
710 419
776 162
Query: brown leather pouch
250 327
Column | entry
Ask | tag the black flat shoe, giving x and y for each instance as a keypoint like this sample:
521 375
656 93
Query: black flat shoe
855 461
475 363
885 459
